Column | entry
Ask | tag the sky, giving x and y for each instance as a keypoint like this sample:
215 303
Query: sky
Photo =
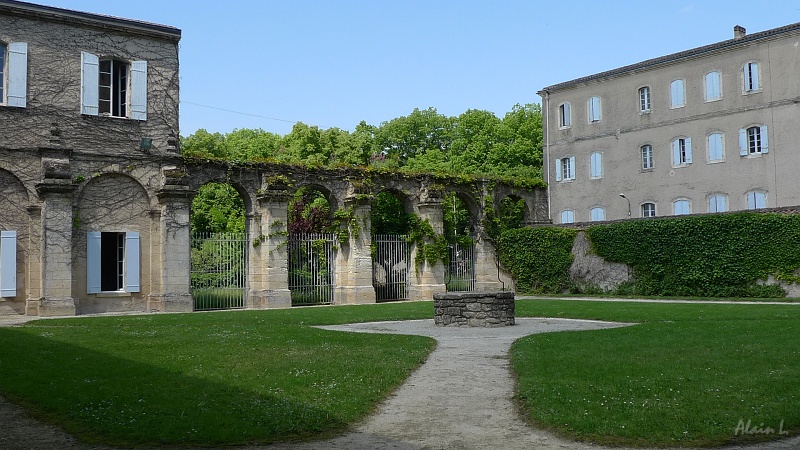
332 63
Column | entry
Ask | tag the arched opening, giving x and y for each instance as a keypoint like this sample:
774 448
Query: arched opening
391 251
218 248
311 247
14 241
459 230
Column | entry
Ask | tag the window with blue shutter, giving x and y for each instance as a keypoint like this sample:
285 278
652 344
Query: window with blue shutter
8 264
17 74
717 203
595 110
677 94
113 87
751 77
756 200
567 216
90 81
112 262
681 151
598 214
754 140
596 165
716 151
139 90
713 87
681 207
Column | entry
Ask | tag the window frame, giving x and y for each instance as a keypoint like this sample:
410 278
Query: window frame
718 86
682 201
673 91
753 197
596 165
649 157
751 79
565 169
753 146
644 100
564 116
681 151
570 213
3 75
135 89
595 209
721 158
713 203
594 109
8 264
646 212
126 265
14 77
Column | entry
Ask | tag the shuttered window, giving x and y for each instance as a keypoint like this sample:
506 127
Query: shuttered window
677 94
713 87
112 262
8 264
682 151
754 140
595 110
113 87
14 74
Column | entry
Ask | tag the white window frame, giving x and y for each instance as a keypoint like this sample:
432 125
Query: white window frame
717 203
756 199
594 109
567 216
14 74
681 151
564 116
565 169
677 93
596 164
8 264
598 214
646 211
131 270
711 147
135 90
752 145
646 152
681 202
713 86
751 77
644 100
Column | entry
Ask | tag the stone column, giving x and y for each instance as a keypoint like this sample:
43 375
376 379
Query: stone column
34 267
486 275
268 272
171 245
353 266
56 259
427 279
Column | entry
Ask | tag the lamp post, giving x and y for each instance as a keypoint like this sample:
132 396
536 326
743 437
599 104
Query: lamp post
629 203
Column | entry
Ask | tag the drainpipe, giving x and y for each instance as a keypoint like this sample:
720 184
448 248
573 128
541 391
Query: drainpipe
546 168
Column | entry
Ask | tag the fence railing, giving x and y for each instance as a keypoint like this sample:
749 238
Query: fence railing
311 259
390 267
461 270
219 270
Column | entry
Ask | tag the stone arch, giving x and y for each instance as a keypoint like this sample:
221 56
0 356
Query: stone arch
473 207
334 203
405 204
15 216
111 203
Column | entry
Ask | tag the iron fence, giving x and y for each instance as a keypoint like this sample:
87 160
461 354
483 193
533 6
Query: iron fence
219 270
311 259
461 270
390 257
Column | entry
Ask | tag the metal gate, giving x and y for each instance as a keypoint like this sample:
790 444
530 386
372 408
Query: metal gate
219 270
311 268
390 267
461 270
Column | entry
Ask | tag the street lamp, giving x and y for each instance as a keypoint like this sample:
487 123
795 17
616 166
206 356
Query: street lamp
629 203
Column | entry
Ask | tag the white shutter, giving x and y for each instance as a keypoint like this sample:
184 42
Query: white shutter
8 263
764 139
90 82
93 262
742 142
754 75
571 174
17 74
558 170
676 153
139 90
132 283
688 150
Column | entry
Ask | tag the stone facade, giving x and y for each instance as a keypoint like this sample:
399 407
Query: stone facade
474 309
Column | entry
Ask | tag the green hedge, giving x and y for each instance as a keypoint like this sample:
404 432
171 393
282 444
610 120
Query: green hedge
538 258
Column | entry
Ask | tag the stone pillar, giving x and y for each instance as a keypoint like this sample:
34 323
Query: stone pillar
171 246
34 267
486 275
353 266
268 271
427 279
56 259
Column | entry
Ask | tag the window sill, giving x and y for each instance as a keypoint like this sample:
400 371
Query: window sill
678 107
713 100
754 155
757 91
715 161
682 166
650 169
112 294
565 128
644 113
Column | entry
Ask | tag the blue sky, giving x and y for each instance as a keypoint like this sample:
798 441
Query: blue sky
335 63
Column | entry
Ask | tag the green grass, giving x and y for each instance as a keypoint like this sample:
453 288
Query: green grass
208 378
685 376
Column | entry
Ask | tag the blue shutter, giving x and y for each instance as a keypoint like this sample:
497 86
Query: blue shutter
93 262
688 150
8 263
754 74
17 74
571 168
764 139
742 142
90 82
558 170
132 283
139 90
567 115
676 153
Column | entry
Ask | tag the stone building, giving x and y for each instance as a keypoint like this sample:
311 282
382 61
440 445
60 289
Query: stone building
710 129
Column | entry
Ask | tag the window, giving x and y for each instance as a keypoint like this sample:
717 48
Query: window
713 87
567 216
680 207
565 169
750 77
647 157
113 87
112 262
644 99
648 209
596 165
754 140
682 151
595 111
716 149
564 119
598 214
756 200
677 94
14 74
8 264
717 203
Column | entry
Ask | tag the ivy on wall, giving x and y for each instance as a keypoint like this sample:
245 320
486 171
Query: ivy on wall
538 258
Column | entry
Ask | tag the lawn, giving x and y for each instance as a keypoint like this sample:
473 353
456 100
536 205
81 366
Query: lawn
230 377
685 376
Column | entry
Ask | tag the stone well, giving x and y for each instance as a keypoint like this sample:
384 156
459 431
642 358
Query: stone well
474 309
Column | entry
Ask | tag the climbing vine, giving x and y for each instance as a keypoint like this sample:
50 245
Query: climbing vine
538 258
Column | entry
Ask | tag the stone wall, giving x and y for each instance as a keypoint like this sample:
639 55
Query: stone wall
474 309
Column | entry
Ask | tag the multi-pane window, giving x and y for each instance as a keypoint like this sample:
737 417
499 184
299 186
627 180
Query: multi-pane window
113 87
648 209
2 72
598 214
756 200
596 165
754 140
112 262
717 203
713 87
680 207
644 99
567 216
677 94
647 156
716 149
751 77
595 110
13 74
681 151
564 119
565 169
